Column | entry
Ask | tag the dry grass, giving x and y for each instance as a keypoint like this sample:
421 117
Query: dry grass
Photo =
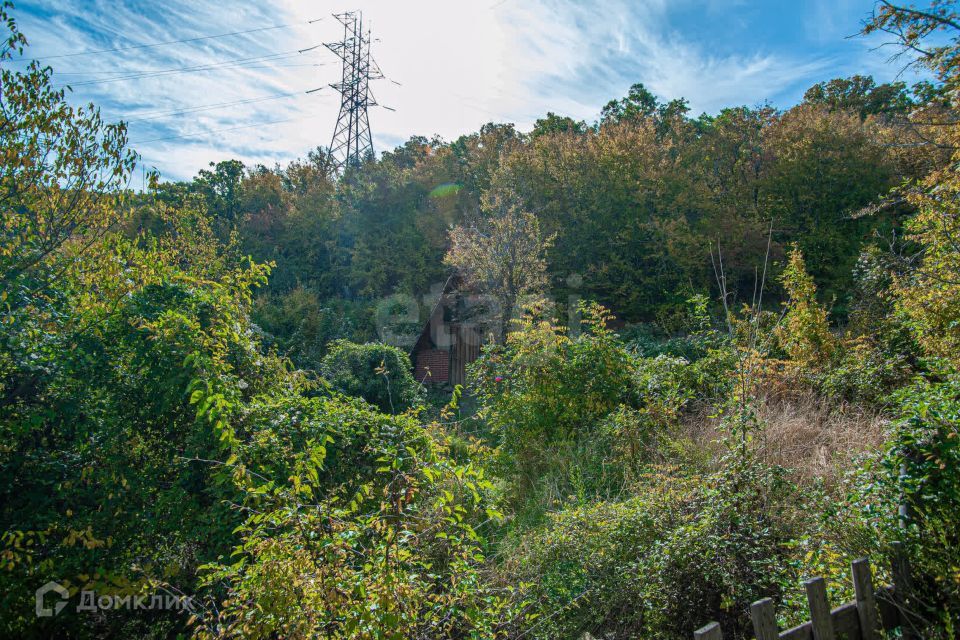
806 434
815 438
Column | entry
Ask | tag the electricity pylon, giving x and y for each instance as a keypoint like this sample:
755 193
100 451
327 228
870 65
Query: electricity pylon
352 141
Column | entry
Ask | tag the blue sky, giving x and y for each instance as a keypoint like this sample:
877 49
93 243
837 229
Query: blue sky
459 64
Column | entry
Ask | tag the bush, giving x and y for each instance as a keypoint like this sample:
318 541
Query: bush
707 352
678 554
115 495
863 372
923 462
378 373
877 353
804 333
920 467
394 552
301 326
574 417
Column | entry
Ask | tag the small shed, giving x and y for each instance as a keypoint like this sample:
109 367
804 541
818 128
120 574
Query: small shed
451 338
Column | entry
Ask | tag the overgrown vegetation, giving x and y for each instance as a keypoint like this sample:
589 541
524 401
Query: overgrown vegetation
755 364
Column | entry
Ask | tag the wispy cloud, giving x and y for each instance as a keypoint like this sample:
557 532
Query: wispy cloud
170 111
459 64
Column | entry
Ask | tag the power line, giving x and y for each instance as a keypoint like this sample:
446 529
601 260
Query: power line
168 42
238 62
163 114
112 73
212 131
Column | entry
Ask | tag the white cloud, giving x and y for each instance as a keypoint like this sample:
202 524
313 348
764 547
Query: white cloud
461 63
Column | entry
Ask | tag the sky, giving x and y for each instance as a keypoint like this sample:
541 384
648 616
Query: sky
450 65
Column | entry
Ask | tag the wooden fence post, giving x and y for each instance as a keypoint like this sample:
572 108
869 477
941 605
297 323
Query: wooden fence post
708 632
902 588
866 600
819 609
764 620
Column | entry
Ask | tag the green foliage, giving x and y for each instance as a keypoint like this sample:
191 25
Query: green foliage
221 188
502 256
378 373
923 464
827 166
61 169
301 325
170 419
929 296
872 357
931 32
862 95
132 379
630 203
804 333
392 553
640 104
574 417
552 123
864 373
706 354
679 553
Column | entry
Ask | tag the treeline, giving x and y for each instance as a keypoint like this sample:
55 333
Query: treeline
191 402
641 205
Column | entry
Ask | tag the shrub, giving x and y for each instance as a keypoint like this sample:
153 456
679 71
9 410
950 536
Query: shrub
679 553
393 553
142 377
302 327
804 333
929 296
919 468
378 373
923 463
706 352
861 371
877 353
575 417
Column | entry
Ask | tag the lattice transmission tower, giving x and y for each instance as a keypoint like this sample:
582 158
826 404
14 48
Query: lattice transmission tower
352 141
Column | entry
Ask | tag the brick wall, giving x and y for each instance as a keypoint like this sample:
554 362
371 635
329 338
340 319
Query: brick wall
433 365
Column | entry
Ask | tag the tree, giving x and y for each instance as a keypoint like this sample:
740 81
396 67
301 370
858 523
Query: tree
638 103
387 207
921 466
805 333
929 295
552 123
61 176
823 166
929 292
919 33
222 188
641 104
378 373
502 255
862 95
478 155
61 171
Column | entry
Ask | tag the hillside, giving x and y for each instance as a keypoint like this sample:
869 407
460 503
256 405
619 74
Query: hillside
615 379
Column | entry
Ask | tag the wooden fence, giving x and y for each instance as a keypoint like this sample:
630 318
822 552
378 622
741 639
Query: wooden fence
872 610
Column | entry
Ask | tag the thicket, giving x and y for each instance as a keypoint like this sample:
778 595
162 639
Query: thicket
192 400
